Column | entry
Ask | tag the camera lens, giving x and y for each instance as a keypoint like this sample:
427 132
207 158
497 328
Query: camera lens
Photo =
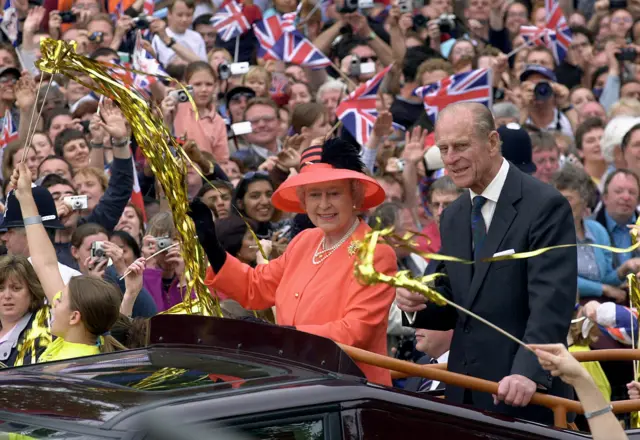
542 91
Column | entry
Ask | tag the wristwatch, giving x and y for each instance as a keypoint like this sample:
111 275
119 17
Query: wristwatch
171 42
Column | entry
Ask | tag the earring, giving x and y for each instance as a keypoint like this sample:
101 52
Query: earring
355 207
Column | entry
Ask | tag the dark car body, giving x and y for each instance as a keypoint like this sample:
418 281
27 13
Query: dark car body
211 378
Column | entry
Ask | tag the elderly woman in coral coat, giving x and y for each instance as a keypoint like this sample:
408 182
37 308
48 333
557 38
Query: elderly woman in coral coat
312 284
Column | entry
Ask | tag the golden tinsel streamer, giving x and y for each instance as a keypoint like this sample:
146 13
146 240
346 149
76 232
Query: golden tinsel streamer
157 145
35 337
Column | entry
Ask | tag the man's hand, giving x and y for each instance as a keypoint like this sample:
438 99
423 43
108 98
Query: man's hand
55 21
25 92
383 125
114 121
34 18
515 390
561 93
408 301
633 388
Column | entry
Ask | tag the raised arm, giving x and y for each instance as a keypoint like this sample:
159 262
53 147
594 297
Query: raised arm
43 254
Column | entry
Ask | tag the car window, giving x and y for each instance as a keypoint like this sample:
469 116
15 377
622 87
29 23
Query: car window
19 431
308 430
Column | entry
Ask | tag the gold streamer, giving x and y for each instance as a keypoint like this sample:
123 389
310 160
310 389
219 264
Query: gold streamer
366 273
152 137
38 336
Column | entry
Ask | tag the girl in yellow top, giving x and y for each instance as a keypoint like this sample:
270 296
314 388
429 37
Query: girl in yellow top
86 308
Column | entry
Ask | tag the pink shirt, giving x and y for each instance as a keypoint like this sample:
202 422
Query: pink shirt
209 132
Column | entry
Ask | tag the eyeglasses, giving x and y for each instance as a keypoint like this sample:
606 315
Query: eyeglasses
8 80
620 20
266 118
252 174
373 59
238 96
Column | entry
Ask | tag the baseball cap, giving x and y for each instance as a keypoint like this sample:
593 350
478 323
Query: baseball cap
530 69
45 204
10 70
240 90
516 147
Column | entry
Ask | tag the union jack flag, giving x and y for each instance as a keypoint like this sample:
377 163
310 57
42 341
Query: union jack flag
148 7
9 130
9 22
555 35
144 61
473 86
229 21
358 110
283 42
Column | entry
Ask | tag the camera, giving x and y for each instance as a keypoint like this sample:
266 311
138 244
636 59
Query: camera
77 203
357 68
446 23
85 126
405 6
181 95
498 94
226 70
68 17
542 91
420 21
353 5
627 54
96 37
163 243
141 22
97 250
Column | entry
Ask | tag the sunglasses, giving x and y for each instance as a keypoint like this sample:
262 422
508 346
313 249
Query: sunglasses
251 174
239 96
373 59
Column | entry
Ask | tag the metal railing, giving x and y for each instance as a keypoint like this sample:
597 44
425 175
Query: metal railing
558 405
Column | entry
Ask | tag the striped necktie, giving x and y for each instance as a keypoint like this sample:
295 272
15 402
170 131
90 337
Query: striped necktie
425 384
478 227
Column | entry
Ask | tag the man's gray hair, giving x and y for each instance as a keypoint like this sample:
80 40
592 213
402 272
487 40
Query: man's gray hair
444 184
332 84
483 120
506 110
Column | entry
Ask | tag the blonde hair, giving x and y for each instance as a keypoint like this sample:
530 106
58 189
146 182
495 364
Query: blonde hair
258 72
625 107
94 172
161 225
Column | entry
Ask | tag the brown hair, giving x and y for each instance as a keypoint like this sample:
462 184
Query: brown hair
197 66
98 302
431 65
103 180
261 101
88 107
132 333
19 268
304 115
7 160
101 17
84 231
161 225
191 4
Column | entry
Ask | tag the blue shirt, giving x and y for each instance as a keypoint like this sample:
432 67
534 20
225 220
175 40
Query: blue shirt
620 236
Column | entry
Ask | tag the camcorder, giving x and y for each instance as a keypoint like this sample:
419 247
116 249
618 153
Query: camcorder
358 68
226 70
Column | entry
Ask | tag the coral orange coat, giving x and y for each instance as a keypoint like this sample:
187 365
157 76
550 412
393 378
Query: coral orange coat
324 299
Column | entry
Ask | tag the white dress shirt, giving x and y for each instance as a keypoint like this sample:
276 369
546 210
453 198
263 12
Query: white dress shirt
492 193
441 360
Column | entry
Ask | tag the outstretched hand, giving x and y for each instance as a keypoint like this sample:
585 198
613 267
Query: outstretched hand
114 121
21 182
557 359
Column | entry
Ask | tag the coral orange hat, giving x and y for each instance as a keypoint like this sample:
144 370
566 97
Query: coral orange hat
286 197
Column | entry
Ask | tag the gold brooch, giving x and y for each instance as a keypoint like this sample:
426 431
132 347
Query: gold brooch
353 248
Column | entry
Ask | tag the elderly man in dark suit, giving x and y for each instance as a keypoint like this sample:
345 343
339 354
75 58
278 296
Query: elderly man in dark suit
504 211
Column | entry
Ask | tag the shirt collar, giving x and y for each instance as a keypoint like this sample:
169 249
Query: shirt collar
612 224
493 190
444 358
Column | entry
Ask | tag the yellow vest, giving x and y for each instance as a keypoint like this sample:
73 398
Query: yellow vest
596 372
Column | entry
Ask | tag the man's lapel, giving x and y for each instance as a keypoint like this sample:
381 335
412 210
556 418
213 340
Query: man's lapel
503 216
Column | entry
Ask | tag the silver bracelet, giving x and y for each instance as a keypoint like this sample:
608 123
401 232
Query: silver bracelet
34 220
119 143
590 415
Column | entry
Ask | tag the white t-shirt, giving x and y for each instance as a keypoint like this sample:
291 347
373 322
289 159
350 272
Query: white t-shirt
190 39
65 272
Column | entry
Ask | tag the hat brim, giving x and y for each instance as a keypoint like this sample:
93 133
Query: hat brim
49 224
286 197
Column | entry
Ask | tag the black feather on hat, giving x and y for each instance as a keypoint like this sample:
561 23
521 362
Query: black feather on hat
335 152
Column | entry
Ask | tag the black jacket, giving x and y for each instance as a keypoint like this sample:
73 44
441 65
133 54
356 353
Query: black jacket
532 299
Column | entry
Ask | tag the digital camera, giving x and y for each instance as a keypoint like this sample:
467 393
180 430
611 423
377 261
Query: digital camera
446 23
163 243
181 95
97 250
77 203
542 91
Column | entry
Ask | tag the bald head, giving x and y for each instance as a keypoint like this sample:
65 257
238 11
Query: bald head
469 145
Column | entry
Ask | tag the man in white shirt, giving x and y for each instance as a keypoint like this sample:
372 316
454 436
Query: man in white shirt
178 30
435 345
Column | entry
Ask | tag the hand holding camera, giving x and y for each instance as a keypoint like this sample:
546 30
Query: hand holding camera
76 203
168 106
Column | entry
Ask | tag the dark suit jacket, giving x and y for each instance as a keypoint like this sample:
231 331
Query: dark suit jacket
413 383
532 299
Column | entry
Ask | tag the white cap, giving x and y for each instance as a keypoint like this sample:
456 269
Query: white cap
433 158
613 134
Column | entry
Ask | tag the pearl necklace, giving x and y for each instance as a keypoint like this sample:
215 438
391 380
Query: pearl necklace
320 255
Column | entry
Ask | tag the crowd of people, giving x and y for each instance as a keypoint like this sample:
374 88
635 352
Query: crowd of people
278 166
